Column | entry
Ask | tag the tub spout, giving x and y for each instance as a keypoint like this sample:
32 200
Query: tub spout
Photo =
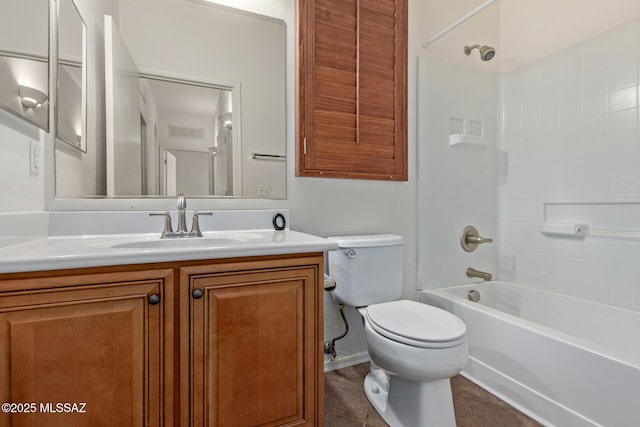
472 272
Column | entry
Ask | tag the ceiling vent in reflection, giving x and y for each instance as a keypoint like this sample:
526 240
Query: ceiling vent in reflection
182 132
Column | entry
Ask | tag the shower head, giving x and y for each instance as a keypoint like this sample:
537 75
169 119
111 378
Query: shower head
486 52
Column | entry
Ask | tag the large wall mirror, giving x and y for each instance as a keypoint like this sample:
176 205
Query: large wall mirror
183 96
24 59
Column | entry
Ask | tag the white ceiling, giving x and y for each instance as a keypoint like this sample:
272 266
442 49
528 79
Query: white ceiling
184 98
533 29
523 31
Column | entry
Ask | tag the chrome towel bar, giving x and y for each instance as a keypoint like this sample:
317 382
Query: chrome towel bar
258 156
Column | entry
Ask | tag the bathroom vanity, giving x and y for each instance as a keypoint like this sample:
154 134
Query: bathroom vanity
208 338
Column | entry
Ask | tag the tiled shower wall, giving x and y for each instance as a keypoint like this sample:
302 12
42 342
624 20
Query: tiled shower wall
569 132
457 183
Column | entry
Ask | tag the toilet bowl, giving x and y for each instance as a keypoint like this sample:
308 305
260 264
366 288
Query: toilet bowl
414 348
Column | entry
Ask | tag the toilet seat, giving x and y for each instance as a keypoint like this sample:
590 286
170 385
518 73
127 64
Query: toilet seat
416 324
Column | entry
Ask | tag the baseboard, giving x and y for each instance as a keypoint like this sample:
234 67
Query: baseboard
343 362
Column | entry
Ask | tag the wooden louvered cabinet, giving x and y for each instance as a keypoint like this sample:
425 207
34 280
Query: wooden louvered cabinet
352 87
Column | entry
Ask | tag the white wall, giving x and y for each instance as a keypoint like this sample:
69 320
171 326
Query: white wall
14 18
571 133
20 191
19 15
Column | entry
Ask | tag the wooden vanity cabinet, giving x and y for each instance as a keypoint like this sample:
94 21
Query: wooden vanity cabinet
97 347
254 340
228 342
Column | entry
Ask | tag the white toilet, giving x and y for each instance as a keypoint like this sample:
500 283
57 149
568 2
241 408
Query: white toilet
415 348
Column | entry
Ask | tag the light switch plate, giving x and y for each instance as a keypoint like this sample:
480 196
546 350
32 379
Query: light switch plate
34 157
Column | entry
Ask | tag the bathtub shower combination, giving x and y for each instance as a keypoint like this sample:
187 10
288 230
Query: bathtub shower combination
562 360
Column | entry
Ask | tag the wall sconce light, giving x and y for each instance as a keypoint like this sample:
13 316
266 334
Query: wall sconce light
30 97
225 118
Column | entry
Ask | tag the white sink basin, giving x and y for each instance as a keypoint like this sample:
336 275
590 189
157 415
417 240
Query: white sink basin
177 243
209 240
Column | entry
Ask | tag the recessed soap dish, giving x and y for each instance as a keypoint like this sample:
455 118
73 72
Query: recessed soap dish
464 139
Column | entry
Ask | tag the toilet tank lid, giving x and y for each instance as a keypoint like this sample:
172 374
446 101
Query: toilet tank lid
368 241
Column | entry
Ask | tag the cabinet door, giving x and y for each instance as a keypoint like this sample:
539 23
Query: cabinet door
94 341
352 94
254 348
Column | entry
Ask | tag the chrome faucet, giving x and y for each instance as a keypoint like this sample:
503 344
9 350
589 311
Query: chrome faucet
181 232
182 217
472 272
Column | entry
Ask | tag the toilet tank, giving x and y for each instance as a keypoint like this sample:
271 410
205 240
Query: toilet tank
367 269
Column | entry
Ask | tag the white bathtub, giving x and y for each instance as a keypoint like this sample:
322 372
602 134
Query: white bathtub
562 360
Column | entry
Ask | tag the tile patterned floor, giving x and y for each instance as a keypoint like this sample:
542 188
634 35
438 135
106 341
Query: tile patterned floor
345 404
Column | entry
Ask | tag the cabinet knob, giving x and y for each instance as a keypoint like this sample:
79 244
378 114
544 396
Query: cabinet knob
154 299
197 293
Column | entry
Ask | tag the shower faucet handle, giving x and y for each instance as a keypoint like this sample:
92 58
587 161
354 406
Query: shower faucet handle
470 239
478 240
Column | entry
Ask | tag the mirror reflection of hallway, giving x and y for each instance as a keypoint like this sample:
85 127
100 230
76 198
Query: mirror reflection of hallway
237 69
188 172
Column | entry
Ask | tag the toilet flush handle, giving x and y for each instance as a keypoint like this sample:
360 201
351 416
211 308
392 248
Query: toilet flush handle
350 253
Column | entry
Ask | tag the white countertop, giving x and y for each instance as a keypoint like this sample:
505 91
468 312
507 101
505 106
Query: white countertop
55 253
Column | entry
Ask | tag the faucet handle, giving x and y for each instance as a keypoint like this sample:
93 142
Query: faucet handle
168 228
195 224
